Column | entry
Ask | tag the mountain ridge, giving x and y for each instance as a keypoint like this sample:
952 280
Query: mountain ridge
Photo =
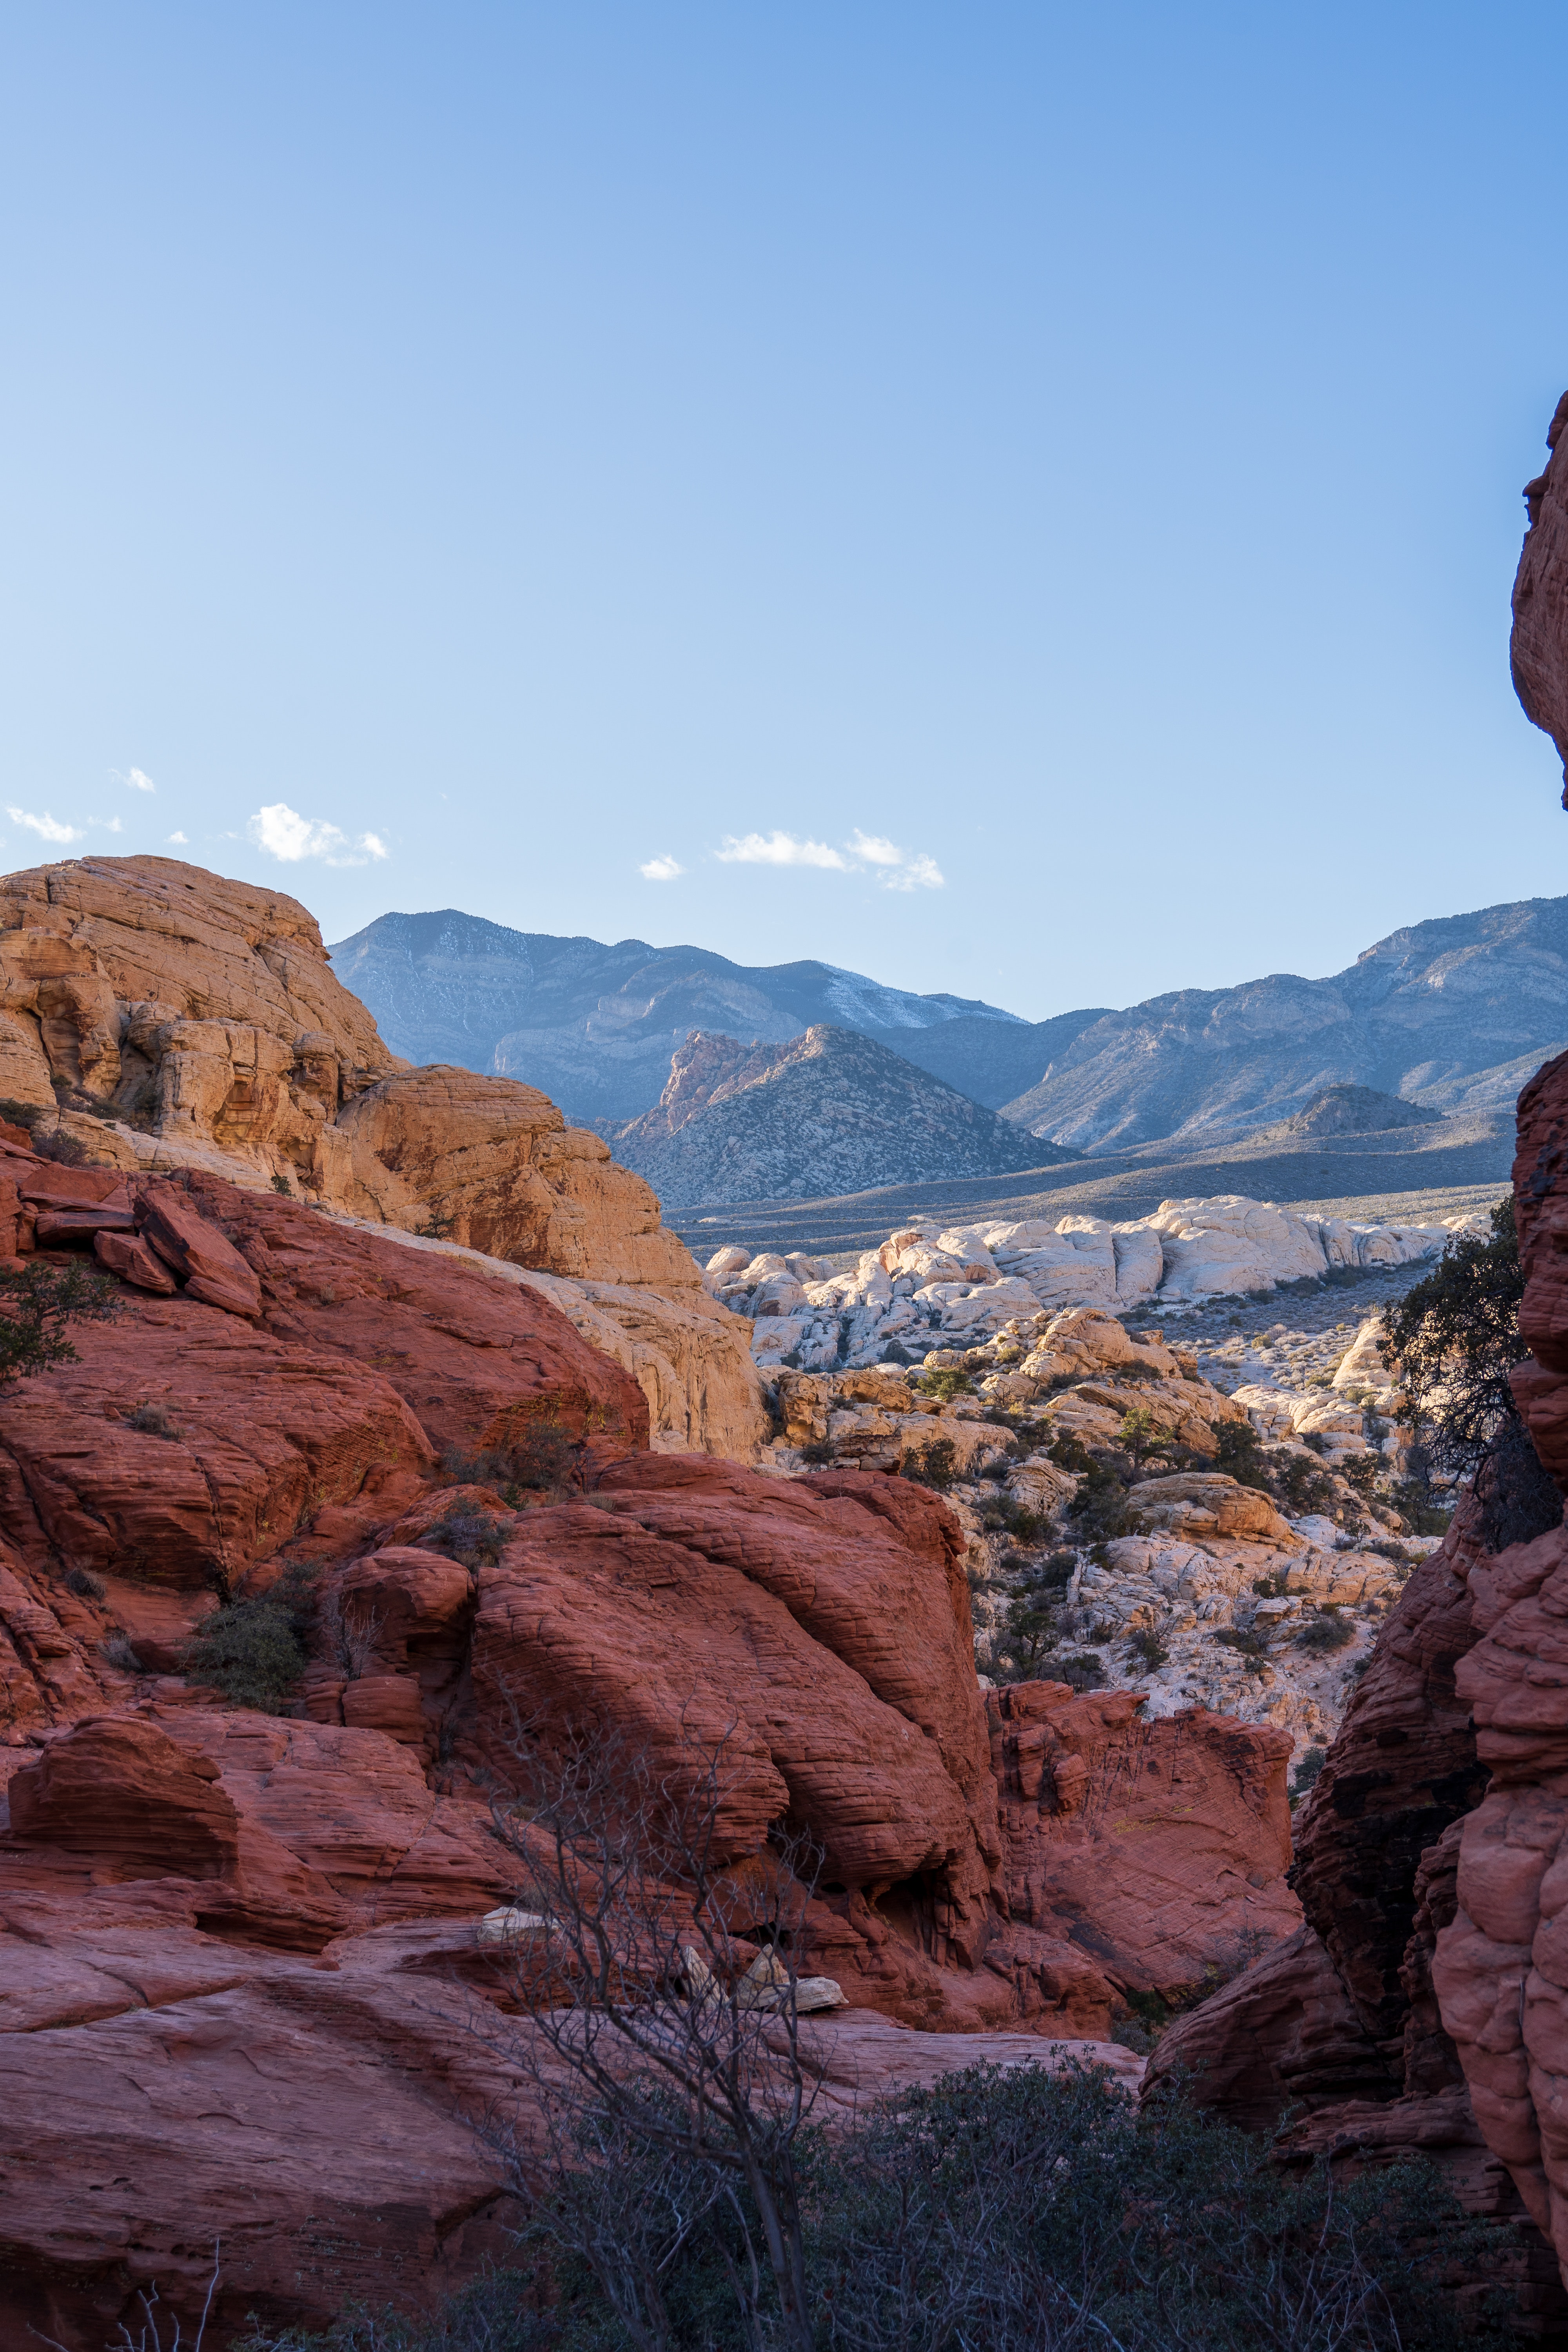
1452 1014
1420 1014
593 1023
830 1110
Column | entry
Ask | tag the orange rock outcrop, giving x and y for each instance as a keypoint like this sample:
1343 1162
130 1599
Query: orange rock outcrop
163 1018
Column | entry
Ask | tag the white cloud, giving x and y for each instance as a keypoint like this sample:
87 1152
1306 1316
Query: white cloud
779 849
135 781
110 824
177 837
284 834
895 869
660 869
46 827
875 850
916 873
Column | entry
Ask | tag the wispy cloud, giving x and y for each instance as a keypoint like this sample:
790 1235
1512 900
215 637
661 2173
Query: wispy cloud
894 868
46 827
177 839
779 849
135 780
898 869
660 869
284 834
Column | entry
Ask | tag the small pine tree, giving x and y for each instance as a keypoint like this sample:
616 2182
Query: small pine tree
36 1304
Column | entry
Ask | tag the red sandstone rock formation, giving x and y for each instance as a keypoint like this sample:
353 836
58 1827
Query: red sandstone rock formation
1425 2003
1499 1973
1137 1855
238 1971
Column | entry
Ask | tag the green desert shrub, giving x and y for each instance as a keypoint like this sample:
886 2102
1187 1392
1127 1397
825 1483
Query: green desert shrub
255 1651
1301 1488
1320 1637
470 1536
1081 1668
1099 1509
935 1465
1453 1340
1240 1455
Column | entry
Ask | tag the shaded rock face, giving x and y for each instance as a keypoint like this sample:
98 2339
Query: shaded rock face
206 1012
829 1112
156 1018
1539 648
1500 1978
1348 2023
1138 1855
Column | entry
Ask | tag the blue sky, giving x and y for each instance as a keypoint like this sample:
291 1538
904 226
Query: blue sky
1020 500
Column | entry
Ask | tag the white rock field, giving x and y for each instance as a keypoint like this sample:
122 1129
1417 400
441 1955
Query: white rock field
935 1286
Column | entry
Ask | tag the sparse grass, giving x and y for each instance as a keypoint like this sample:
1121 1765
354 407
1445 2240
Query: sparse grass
152 1421
85 1585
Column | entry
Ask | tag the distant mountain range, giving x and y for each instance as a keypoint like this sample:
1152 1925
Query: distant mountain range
595 1025
1451 1016
827 1112
1454 1014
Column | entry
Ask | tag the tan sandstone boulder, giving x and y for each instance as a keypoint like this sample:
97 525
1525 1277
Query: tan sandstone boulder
165 1019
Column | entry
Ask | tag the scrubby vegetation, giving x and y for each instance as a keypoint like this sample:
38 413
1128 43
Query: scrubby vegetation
1240 1455
471 1536
998 2212
1325 1633
1453 1340
255 1651
539 1462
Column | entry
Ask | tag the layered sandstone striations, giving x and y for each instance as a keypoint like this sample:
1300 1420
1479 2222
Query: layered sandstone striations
156 1017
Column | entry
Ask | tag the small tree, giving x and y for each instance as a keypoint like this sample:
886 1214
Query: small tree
1453 1340
36 1304
670 2082
1140 1436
